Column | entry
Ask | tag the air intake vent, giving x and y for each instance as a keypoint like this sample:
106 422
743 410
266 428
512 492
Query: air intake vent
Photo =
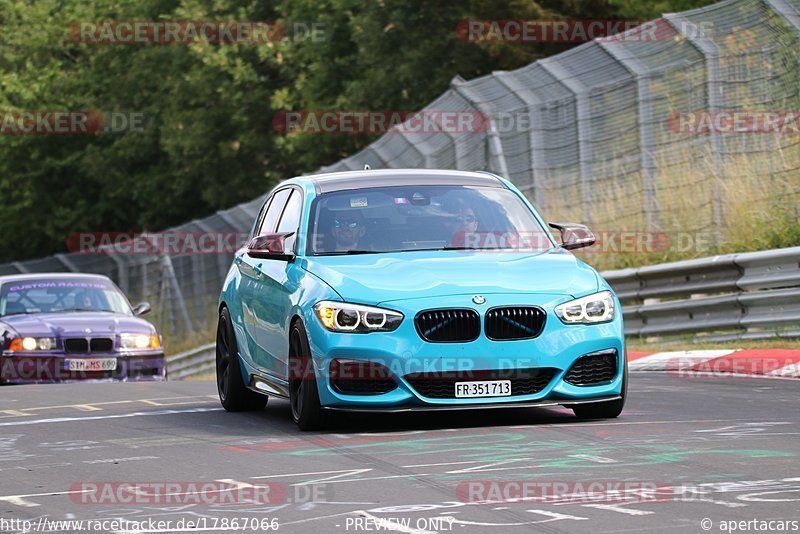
360 378
448 326
593 369
101 344
517 322
76 345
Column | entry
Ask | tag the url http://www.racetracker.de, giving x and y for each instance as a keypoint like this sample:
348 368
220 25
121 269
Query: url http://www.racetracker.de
124 526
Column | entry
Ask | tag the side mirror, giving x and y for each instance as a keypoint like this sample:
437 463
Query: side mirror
270 247
574 235
141 308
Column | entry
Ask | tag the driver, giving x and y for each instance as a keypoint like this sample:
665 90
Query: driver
348 229
462 224
83 301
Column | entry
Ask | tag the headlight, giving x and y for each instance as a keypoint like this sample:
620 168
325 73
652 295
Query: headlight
591 309
138 341
344 317
32 343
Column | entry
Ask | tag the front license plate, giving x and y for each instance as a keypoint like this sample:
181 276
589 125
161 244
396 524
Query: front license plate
486 388
96 364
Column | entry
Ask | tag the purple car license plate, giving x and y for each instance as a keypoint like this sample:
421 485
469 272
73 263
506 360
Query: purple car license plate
94 364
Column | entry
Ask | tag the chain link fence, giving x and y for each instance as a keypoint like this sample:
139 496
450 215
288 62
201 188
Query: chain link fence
613 133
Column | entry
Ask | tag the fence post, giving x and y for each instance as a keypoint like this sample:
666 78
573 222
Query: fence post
641 74
20 267
710 51
66 262
122 269
170 282
582 115
534 133
786 11
495 144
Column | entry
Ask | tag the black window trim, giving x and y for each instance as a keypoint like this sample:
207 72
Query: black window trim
299 219
263 216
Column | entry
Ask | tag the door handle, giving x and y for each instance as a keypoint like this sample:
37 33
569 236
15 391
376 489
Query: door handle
257 269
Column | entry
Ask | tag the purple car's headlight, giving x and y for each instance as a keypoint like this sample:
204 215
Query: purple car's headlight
356 318
30 344
139 342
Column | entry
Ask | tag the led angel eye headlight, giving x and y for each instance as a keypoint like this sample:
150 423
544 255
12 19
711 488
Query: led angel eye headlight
357 318
591 309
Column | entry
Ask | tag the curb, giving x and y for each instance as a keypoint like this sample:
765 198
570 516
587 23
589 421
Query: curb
765 363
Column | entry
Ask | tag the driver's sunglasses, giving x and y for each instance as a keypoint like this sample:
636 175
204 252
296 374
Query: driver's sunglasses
346 224
467 219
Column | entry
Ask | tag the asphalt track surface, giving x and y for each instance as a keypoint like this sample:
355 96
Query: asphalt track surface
715 448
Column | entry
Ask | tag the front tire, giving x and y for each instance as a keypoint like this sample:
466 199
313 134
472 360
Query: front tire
303 394
233 394
605 410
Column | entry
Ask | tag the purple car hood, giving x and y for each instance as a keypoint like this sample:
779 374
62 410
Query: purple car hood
76 323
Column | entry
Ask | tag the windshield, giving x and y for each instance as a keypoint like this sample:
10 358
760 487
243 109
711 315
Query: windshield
61 294
395 219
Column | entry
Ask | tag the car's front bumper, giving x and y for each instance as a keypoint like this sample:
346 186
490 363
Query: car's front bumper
404 353
481 406
52 368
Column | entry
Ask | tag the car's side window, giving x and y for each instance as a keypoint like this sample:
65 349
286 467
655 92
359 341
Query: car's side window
273 212
290 220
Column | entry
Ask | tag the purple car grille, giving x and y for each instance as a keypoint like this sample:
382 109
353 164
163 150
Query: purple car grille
80 345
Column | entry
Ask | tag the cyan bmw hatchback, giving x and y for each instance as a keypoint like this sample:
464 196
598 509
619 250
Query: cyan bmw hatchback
402 290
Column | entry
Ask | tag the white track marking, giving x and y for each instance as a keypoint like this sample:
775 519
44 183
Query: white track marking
342 473
110 416
20 500
441 464
593 458
619 508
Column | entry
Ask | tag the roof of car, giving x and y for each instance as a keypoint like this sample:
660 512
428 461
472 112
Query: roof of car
340 181
56 276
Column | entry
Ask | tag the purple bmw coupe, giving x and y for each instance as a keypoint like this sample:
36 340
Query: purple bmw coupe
74 327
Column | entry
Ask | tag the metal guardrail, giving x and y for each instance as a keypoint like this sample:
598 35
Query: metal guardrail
752 295
195 362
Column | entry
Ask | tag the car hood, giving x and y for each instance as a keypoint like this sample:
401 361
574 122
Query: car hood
377 278
76 323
